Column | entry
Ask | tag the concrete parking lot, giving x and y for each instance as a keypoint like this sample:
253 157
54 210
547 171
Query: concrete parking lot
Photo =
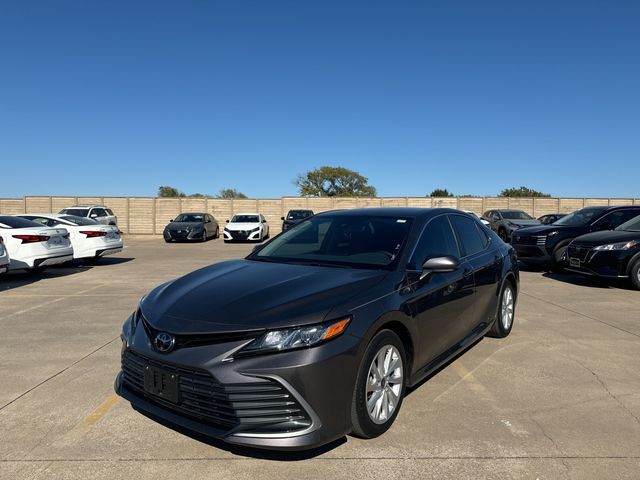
559 398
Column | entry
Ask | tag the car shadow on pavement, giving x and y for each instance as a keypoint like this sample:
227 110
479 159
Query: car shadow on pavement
256 453
585 281
22 278
105 261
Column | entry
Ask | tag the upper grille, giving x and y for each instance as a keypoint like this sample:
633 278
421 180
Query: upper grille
578 251
539 240
262 406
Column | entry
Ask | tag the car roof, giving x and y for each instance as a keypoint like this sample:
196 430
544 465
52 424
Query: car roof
194 213
413 212
247 213
86 206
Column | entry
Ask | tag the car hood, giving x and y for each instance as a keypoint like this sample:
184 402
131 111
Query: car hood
605 237
183 225
524 223
546 229
240 295
242 226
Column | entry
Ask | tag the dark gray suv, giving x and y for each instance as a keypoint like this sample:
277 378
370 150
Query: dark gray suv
319 331
505 221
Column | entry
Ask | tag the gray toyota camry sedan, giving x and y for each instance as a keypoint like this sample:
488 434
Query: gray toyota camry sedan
318 332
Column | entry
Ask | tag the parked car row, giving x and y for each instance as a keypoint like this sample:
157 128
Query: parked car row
33 242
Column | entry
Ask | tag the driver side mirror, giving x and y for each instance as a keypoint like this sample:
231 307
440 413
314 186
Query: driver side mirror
443 264
281 218
227 221
93 215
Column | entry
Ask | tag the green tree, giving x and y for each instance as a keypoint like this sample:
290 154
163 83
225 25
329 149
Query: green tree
198 195
230 193
169 192
441 192
522 192
334 182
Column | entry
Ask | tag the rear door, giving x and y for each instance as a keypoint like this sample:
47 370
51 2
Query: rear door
486 265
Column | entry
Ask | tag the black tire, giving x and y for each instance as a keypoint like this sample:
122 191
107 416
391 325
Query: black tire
167 240
556 257
204 236
634 274
498 329
217 235
34 270
362 424
502 233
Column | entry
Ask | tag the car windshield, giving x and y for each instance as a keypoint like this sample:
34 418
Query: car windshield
17 222
632 225
78 212
298 214
78 220
580 217
245 219
516 215
359 241
189 217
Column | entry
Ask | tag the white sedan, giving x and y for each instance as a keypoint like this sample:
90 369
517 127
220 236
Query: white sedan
32 246
246 226
4 257
90 239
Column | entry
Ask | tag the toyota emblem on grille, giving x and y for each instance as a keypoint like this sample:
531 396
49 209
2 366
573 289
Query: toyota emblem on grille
164 342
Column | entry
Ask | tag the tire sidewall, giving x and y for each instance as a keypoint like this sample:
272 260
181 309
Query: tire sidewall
633 274
359 413
499 327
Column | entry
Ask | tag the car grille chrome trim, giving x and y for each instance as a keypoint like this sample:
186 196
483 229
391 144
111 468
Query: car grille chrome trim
261 407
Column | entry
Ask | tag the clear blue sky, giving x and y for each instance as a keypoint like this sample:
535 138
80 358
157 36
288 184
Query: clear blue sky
118 97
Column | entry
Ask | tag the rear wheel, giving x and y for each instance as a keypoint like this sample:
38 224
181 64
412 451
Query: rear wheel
380 386
204 236
634 274
502 233
506 311
217 235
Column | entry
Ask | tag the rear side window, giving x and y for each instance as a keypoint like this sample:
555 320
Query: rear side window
16 222
469 235
109 211
99 212
437 240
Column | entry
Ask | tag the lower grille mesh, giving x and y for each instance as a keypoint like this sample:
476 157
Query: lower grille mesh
261 407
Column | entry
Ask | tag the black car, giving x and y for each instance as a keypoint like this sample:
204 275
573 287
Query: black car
191 226
505 221
546 244
294 217
609 254
319 331
551 218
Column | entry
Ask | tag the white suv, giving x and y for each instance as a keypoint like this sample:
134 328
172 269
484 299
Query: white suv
99 213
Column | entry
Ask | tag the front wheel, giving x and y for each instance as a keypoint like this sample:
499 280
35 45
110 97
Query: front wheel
506 311
380 386
634 274
502 233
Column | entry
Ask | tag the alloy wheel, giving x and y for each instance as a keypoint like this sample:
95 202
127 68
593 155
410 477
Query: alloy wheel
506 309
384 384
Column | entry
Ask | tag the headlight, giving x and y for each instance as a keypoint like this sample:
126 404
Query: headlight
294 338
254 230
618 246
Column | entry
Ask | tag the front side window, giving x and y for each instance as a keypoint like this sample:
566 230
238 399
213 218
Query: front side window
617 218
98 212
437 240
468 235
359 241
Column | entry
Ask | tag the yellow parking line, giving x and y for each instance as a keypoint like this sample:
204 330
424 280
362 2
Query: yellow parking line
101 411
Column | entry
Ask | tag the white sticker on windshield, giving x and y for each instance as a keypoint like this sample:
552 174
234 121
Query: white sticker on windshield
401 220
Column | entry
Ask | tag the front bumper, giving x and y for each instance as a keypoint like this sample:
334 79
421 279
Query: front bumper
531 249
182 235
241 235
287 401
598 263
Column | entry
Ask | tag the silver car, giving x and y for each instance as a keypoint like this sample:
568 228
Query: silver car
99 213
